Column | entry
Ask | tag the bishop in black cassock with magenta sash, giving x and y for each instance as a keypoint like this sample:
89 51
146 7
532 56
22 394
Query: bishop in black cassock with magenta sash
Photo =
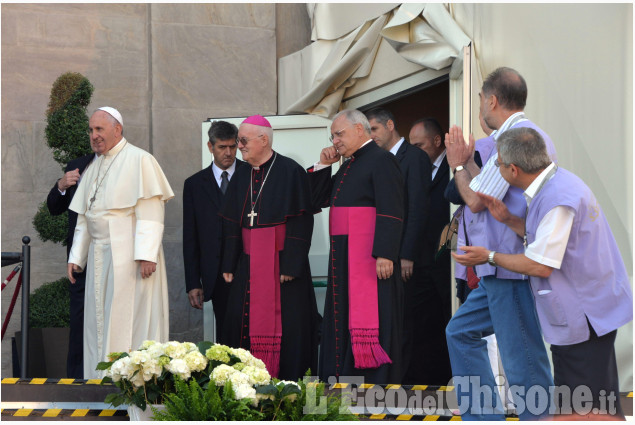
363 312
267 226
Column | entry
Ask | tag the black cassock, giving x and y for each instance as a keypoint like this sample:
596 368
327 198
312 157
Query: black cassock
285 199
370 178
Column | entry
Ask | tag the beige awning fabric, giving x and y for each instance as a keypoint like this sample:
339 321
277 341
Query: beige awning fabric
346 39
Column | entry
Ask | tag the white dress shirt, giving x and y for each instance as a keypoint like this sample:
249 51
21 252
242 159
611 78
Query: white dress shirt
552 234
218 172
490 181
437 163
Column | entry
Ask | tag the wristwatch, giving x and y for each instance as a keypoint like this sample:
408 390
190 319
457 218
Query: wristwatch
459 168
490 258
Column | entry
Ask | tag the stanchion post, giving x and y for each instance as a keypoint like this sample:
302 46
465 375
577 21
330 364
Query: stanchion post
26 291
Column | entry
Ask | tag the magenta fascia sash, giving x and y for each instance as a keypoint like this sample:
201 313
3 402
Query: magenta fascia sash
363 311
265 314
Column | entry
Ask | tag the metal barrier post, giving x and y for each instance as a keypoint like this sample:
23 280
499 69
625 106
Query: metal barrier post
26 291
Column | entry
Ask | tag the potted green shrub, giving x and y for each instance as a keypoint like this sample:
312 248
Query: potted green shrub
49 329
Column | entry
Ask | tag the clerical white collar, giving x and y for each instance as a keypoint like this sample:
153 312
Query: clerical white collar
217 171
532 190
115 149
395 148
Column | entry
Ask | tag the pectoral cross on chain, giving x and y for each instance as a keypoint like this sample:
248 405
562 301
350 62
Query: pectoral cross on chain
251 216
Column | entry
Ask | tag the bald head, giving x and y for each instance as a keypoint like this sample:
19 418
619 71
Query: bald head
508 86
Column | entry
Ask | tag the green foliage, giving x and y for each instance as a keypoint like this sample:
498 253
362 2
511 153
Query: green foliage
292 402
49 305
67 128
67 135
50 227
193 403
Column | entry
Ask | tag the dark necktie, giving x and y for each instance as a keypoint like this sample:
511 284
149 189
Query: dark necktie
224 182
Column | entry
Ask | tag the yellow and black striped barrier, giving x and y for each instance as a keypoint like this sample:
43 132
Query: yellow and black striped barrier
55 413
58 381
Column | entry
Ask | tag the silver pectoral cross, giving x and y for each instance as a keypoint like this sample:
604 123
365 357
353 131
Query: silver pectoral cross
251 216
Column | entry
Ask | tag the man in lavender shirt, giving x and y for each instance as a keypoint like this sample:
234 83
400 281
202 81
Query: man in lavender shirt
578 279
503 303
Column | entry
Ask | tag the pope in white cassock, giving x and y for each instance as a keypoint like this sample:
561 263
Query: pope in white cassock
120 204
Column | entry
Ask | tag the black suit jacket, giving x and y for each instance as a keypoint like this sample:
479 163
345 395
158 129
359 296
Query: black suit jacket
58 203
202 230
416 170
439 212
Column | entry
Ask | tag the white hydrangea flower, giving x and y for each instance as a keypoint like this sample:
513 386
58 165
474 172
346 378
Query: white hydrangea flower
179 367
195 361
189 347
147 344
138 380
174 349
220 375
238 378
256 362
218 352
122 368
151 369
139 357
242 354
155 351
246 391
257 376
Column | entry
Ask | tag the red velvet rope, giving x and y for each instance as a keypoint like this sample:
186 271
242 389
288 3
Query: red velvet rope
13 300
8 279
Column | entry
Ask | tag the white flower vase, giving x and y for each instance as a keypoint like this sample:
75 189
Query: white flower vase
136 414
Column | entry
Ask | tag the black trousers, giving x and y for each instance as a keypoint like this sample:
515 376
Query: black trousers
220 296
592 364
75 359
426 314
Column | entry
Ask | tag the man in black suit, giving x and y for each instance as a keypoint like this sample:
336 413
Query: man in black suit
416 170
203 195
58 200
429 306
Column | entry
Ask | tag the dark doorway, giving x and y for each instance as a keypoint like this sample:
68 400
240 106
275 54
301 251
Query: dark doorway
431 99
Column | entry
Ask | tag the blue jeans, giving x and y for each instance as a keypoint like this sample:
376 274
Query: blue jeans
504 307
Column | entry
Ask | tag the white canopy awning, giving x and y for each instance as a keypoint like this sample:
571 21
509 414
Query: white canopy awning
346 40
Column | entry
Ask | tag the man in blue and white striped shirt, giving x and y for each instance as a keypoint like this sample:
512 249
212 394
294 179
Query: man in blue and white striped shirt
503 303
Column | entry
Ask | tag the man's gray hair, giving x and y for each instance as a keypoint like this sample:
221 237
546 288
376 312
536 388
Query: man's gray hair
354 117
525 148
268 131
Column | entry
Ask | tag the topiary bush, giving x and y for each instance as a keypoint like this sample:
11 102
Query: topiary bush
67 135
67 121
49 306
51 227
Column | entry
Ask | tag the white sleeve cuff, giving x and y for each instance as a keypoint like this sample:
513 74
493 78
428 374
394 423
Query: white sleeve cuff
317 166
148 237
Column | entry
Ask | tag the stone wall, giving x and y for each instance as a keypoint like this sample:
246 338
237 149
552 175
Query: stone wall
167 68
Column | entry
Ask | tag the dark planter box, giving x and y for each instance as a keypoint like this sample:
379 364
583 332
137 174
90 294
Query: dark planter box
48 350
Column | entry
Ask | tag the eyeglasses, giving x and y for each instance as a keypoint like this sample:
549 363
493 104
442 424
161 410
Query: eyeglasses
244 140
498 164
338 134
